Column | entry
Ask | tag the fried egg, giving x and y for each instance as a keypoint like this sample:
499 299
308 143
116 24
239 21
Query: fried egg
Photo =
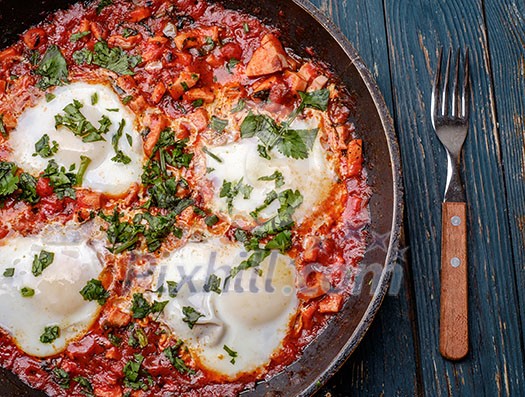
54 297
250 316
103 174
240 161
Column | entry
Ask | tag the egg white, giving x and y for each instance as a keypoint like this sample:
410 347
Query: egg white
57 299
251 316
103 174
313 176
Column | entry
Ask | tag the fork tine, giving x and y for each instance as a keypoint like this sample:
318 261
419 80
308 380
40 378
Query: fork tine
436 100
444 99
456 100
466 84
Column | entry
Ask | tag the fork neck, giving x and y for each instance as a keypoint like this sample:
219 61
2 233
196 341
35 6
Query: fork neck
454 192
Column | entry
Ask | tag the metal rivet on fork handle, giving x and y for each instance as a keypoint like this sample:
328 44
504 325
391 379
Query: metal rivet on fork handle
456 221
455 262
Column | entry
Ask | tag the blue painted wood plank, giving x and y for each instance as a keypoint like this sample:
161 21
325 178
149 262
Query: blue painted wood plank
506 37
416 29
374 368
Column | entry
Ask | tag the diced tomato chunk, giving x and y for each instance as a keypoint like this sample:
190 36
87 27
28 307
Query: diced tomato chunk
89 199
126 43
200 119
183 83
200 93
354 157
295 81
43 188
331 304
154 49
269 58
117 318
156 123
34 38
231 51
9 55
158 92
139 14
98 31
3 85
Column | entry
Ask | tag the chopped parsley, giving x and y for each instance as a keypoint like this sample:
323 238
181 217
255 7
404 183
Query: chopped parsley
41 262
173 288
231 353
281 242
213 284
27 292
94 291
197 103
114 339
27 184
241 104
9 272
159 228
211 220
77 36
50 97
52 69
315 100
94 99
127 99
50 334
172 354
253 262
232 63
85 385
8 178
114 59
76 122
218 124
61 378
230 190
141 308
277 176
121 235
191 316
212 155
61 181
289 201
245 27
43 149
120 157
2 126
84 164
103 4
132 371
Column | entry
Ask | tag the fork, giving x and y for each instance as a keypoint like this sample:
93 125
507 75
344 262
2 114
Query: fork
451 126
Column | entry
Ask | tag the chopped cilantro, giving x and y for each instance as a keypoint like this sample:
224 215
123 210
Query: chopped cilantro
212 155
127 99
61 378
218 124
120 157
173 288
27 185
241 104
9 272
289 201
232 63
50 334
159 228
245 27
94 291
197 103
94 99
114 339
211 220
230 190
252 262
52 69
41 262
191 316
61 181
315 100
277 176
128 32
43 149
121 235
84 164
103 4
114 59
132 370
27 292
76 122
8 178
281 242
85 385
50 97
172 354
231 353
213 284
2 126
141 308
77 36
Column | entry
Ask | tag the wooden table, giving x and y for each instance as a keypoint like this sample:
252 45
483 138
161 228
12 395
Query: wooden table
399 41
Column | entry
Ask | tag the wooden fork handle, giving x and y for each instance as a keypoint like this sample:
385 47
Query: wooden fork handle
453 335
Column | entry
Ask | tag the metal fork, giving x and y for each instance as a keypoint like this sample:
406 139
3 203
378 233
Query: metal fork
450 111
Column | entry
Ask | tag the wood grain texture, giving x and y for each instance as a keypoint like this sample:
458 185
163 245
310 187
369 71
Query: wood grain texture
453 325
373 370
416 29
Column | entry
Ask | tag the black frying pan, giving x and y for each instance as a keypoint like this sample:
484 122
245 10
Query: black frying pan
302 26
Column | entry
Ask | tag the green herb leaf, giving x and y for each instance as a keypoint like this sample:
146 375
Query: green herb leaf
128 32
241 104
212 155
252 262
52 68
61 378
211 220
61 181
9 272
114 59
218 124
315 100
172 354
277 176
50 97
27 185
41 262
84 164
77 36
121 235
8 178
2 126
281 242
132 371
141 308
197 103
213 284
127 99
114 339
230 190
231 353
85 384
232 63
94 99
50 334
173 288
103 4
191 316
94 291
120 157
27 292
43 149
76 122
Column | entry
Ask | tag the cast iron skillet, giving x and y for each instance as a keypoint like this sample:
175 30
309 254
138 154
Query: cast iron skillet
302 26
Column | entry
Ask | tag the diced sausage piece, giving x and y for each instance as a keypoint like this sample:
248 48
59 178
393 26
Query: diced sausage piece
126 82
154 49
331 304
34 38
8 55
315 285
199 93
200 119
307 315
184 82
158 93
156 123
139 14
268 58
354 157
311 248
3 85
318 83
186 40
295 81
138 104
117 318
265 84
308 72
88 199
126 43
